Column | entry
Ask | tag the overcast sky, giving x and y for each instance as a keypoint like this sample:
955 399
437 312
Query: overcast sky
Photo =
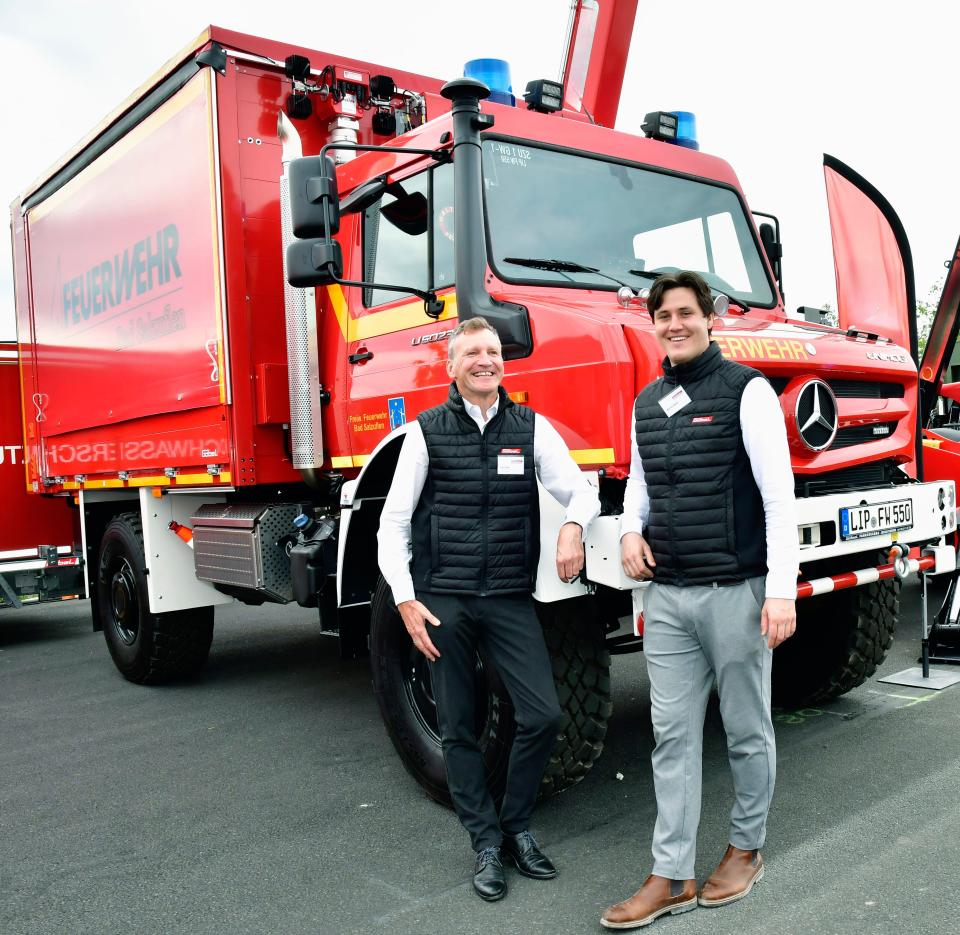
773 86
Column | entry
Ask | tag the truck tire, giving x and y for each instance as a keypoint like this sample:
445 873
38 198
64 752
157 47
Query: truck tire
581 671
147 648
581 667
841 638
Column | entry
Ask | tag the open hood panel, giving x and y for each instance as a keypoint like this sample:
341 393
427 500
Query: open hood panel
942 340
871 258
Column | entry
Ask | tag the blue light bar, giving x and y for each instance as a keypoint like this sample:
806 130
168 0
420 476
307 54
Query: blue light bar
686 129
495 74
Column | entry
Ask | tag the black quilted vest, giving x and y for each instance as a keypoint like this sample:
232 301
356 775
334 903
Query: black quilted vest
477 530
706 520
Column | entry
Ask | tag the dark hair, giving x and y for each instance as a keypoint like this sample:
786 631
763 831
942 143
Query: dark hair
682 280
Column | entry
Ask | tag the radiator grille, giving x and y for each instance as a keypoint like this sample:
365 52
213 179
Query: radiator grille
860 477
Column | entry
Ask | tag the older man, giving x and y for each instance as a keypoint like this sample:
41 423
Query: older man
463 506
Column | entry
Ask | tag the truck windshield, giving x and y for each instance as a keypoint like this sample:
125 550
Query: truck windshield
610 221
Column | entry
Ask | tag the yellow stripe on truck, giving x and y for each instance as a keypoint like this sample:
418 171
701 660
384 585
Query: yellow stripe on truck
592 455
580 455
398 318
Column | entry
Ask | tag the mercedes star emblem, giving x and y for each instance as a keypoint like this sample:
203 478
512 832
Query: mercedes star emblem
816 415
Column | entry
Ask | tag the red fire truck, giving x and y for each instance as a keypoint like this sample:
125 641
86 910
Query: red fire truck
236 292
40 556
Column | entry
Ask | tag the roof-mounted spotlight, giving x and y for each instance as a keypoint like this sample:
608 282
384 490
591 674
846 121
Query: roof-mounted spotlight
299 106
382 87
544 95
660 125
297 67
384 123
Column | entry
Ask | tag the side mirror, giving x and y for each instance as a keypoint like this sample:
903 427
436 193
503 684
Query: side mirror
771 246
315 262
314 195
314 258
410 213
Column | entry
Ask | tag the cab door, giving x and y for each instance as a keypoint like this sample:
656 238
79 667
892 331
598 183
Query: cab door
871 258
396 353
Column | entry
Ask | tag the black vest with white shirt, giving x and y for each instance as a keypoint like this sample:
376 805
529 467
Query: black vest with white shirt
706 522
476 527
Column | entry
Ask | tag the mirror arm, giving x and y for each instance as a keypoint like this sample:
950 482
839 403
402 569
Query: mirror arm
432 306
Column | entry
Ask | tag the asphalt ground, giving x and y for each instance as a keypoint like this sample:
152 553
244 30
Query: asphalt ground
265 797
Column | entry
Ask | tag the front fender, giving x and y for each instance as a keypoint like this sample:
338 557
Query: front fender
361 502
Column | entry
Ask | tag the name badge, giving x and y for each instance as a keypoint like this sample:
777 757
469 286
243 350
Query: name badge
510 461
674 401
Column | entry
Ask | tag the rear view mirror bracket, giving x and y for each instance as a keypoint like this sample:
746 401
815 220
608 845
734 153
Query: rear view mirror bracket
315 258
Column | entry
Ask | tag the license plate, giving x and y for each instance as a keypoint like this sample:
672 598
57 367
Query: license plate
875 519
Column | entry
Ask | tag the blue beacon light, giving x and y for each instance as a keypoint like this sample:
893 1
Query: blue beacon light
495 74
686 129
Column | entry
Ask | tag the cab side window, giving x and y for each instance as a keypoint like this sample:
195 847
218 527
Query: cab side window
408 236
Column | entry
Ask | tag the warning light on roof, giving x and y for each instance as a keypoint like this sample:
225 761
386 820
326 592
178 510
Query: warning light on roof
672 126
495 74
686 129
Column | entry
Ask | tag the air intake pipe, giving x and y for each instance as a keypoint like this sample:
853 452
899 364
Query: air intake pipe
512 322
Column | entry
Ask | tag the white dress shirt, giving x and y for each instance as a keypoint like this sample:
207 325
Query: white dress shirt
765 440
557 471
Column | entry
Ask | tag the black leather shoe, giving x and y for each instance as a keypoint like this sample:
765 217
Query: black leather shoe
522 849
488 878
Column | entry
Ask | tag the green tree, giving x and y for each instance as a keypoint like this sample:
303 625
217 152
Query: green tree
926 310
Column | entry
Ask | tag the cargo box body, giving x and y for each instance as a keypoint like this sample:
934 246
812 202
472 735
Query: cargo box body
39 536
150 283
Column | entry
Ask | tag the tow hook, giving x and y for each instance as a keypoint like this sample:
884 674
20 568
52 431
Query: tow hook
900 556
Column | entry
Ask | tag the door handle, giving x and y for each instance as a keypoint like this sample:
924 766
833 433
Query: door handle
360 357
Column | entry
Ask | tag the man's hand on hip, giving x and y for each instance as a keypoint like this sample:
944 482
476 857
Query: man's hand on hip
778 620
569 551
415 617
636 557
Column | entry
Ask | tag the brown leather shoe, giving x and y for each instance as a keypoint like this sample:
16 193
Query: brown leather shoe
655 898
733 878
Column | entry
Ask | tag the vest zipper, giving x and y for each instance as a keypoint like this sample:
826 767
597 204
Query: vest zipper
484 516
672 422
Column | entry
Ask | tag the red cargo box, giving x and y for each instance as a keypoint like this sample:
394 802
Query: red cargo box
150 282
38 535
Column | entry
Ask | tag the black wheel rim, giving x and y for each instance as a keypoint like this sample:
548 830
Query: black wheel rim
419 688
418 684
124 603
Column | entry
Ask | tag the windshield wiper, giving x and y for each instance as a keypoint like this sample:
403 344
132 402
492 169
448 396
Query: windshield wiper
562 266
738 302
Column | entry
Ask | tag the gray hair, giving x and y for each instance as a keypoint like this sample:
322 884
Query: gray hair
467 327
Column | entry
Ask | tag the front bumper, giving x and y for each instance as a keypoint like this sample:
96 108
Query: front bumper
818 522
819 528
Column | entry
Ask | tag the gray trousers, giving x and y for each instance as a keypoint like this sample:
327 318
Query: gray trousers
693 635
